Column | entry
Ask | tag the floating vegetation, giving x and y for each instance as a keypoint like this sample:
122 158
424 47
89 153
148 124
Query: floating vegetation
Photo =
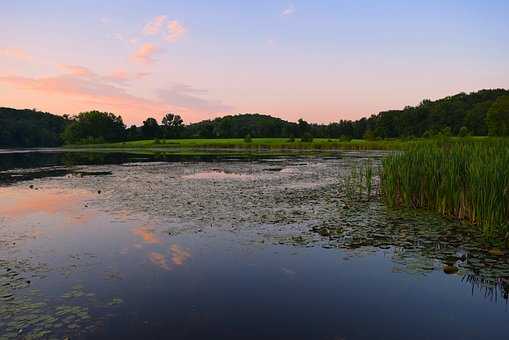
115 301
464 180
28 314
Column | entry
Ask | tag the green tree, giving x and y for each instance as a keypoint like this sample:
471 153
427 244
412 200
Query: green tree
172 125
133 132
150 128
307 137
94 126
303 127
369 135
497 117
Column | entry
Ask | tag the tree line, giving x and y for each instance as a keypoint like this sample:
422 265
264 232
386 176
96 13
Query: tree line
478 113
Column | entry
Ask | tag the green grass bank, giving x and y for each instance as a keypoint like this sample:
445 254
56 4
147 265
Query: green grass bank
255 143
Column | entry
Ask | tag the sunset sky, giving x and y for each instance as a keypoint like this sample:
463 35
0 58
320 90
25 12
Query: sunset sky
322 60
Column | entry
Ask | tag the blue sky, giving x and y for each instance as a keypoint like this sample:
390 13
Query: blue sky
321 60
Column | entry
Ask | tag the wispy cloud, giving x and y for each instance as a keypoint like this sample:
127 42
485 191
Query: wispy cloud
175 31
15 53
172 30
185 96
75 70
118 76
145 53
290 10
80 88
154 26
83 88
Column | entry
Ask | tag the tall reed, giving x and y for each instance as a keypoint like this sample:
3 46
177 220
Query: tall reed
464 179
359 182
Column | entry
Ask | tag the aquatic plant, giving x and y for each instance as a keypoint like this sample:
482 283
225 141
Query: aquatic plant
359 182
464 179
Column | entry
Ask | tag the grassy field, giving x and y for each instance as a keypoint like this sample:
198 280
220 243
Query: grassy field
462 179
256 143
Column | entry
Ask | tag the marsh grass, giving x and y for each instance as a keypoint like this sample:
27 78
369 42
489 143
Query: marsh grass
466 180
360 182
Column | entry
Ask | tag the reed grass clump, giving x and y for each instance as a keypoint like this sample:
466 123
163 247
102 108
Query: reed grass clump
464 179
360 182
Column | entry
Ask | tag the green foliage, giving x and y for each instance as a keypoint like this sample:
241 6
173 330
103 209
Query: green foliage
456 111
237 126
30 128
443 117
466 180
150 128
247 138
94 125
358 183
429 134
463 132
307 138
497 118
303 128
369 135
172 125
446 132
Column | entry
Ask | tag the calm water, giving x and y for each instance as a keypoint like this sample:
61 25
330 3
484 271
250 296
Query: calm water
190 247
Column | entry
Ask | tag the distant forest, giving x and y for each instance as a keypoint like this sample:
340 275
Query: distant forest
478 113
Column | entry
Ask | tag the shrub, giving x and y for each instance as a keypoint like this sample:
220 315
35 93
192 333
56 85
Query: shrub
306 138
463 132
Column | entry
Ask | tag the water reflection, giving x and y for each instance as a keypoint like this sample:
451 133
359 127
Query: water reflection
159 260
179 255
20 202
239 258
147 234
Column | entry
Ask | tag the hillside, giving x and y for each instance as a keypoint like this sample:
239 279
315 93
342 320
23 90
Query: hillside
238 126
30 128
454 112
465 112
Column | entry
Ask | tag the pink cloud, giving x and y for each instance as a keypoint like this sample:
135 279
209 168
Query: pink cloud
145 53
89 92
119 75
155 25
81 89
15 53
175 31
78 71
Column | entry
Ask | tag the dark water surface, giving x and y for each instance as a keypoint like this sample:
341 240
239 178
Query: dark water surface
130 246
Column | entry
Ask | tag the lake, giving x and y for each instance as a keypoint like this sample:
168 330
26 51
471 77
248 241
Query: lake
231 245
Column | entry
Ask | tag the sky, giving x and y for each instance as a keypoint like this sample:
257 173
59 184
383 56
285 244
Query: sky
321 60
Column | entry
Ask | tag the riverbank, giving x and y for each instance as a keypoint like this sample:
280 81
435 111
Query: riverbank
255 143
